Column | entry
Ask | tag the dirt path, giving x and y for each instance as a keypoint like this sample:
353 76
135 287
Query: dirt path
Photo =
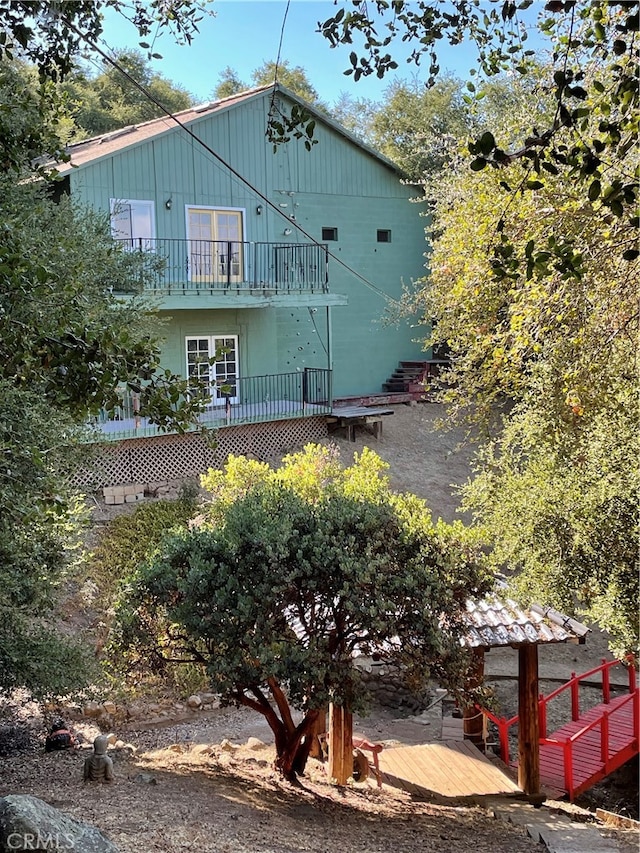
210 800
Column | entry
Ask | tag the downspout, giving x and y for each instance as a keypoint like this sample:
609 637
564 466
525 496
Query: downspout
330 356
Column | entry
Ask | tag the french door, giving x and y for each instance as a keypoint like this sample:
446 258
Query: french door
215 245
221 376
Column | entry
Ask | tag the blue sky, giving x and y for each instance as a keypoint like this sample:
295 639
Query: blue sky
245 33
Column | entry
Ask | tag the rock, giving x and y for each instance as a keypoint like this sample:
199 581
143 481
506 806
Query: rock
177 747
255 744
194 702
112 739
202 749
27 823
119 744
145 779
92 709
110 707
227 746
208 698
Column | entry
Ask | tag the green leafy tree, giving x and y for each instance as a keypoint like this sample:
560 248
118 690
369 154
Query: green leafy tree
36 523
594 123
66 340
417 127
110 100
289 574
293 78
542 330
229 83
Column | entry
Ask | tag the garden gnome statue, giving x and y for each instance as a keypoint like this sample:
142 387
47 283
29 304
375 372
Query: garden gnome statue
99 767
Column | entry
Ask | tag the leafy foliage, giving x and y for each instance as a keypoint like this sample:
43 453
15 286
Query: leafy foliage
288 574
36 531
53 34
293 78
542 330
110 100
594 121
66 340
130 539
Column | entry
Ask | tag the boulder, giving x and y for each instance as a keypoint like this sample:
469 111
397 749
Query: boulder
255 743
27 823
194 702
110 707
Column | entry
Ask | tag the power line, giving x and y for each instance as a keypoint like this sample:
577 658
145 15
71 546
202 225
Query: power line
194 137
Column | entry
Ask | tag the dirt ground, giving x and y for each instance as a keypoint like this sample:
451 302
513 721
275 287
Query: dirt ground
178 789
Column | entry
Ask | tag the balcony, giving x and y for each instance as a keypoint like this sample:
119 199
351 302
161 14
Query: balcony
250 399
216 273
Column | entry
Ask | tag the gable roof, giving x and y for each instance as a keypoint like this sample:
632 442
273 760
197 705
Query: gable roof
116 141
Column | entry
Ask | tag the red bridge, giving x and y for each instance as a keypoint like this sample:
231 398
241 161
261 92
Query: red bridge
594 743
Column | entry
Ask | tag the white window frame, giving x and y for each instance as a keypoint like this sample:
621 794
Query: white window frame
136 241
217 399
220 209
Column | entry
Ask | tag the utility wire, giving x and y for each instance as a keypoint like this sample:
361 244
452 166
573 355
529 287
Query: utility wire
221 160
284 21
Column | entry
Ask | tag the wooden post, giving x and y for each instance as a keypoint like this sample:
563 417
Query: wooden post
529 727
340 744
472 717
320 728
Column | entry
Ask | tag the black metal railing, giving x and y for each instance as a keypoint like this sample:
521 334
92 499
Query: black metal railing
202 266
242 400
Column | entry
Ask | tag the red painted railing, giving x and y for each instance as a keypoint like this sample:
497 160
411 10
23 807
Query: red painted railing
604 722
503 725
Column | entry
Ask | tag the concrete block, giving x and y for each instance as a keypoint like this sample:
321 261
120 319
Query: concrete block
109 499
130 499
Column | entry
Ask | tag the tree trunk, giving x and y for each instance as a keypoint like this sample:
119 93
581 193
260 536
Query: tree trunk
292 754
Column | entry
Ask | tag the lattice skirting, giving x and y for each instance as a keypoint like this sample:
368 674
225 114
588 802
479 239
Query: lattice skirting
172 457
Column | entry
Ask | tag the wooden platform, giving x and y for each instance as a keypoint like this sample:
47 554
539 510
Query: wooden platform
351 417
450 770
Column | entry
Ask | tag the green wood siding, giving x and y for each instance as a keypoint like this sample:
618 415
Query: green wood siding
336 184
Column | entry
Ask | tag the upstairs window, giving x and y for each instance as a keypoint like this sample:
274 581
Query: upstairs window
329 234
133 223
383 235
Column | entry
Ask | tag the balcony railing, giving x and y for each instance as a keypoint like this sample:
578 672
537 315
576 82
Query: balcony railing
257 399
223 266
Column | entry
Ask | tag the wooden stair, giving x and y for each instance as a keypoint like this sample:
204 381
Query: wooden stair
414 377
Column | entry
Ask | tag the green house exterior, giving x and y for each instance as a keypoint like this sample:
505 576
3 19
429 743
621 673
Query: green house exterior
239 231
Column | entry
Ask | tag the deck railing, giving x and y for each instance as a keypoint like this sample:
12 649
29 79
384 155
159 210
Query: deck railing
247 399
224 266
573 685
606 723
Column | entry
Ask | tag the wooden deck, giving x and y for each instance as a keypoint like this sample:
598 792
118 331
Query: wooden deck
448 770
588 763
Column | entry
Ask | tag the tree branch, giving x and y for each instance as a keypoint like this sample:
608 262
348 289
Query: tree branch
282 703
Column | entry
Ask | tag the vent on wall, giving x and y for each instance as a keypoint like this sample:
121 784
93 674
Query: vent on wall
383 235
329 234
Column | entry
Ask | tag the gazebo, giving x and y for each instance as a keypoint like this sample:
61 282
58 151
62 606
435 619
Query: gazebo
493 622
499 622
